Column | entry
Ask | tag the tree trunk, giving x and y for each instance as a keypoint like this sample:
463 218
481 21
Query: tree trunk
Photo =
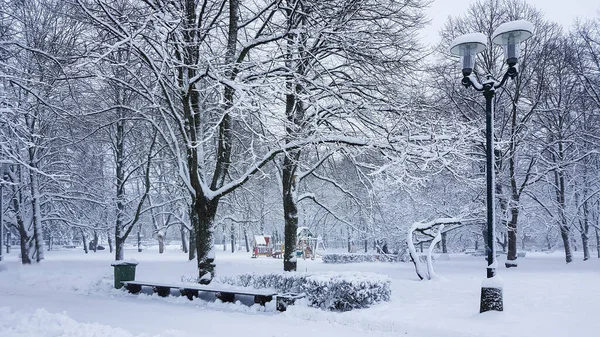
559 180
139 241
444 243
85 247
232 238
290 209
564 233
349 243
119 245
161 242
511 257
248 245
184 243
586 247
8 237
598 242
38 238
95 244
204 212
192 250
110 243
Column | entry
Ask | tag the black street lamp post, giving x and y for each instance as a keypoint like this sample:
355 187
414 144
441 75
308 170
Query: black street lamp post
467 46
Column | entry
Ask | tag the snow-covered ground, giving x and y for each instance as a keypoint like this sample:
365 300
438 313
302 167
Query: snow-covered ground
70 294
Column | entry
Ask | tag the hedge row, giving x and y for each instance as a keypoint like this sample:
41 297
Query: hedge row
330 291
352 258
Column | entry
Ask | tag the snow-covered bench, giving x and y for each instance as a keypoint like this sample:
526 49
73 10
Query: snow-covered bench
224 292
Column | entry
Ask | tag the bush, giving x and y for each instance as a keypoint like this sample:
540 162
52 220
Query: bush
352 258
330 291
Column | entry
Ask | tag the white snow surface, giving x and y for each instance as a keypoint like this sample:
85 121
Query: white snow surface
522 29
479 39
70 294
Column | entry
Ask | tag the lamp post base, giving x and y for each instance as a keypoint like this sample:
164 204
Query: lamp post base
491 299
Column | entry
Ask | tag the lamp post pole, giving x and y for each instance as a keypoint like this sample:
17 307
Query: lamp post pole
489 93
467 46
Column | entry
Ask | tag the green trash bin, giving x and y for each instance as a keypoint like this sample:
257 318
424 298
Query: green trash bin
124 271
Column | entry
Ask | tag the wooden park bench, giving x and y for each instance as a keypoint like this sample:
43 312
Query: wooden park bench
223 292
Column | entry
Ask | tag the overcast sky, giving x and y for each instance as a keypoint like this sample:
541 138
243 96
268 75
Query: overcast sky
562 12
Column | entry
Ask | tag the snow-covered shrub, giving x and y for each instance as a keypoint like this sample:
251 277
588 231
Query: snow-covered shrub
353 258
330 291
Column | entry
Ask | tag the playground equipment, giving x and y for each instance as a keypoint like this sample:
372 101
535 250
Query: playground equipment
263 246
308 244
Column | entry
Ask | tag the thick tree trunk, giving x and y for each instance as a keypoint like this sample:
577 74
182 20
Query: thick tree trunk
290 210
119 245
192 250
205 211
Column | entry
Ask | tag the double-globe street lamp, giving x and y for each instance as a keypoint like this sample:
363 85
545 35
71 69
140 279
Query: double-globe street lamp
509 35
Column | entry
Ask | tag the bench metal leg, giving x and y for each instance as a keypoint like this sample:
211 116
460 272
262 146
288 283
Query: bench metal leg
261 299
162 291
189 293
226 297
133 288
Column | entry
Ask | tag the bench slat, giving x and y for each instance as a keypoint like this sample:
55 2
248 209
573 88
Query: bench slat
207 288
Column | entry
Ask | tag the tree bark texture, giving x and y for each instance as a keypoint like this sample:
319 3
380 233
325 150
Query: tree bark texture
85 246
290 209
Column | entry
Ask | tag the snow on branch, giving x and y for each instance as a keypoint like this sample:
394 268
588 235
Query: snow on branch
427 228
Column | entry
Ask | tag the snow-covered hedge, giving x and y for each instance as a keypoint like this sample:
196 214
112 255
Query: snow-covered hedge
352 258
330 291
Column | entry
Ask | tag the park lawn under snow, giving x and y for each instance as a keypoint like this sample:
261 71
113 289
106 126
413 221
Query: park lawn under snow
70 294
